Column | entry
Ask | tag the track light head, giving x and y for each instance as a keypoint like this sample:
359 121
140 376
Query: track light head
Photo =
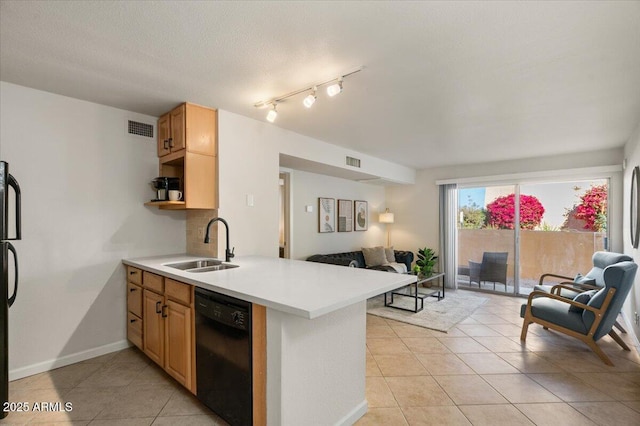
335 88
272 114
309 100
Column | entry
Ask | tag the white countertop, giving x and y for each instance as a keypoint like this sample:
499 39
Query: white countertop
306 289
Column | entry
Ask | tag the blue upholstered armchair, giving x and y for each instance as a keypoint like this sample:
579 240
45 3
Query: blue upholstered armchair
586 317
593 280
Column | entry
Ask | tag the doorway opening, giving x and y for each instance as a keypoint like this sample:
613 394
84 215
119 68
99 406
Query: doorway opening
285 221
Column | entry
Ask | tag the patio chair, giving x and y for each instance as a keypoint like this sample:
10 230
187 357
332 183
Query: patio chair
593 280
588 321
493 269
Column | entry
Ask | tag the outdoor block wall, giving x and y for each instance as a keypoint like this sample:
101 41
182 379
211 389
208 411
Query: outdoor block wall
564 253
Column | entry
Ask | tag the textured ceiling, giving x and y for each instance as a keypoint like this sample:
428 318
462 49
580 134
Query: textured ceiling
444 82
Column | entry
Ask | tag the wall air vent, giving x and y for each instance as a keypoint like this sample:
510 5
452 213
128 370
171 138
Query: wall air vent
140 129
354 162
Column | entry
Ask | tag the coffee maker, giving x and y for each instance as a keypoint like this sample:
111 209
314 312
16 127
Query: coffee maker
163 185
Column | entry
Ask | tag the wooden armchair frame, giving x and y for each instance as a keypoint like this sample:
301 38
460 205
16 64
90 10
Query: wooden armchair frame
586 338
570 284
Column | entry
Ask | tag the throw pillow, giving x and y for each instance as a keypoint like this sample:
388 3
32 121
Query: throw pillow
374 256
579 279
390 255
584 298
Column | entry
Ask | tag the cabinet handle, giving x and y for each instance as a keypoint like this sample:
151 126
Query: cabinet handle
158 307
166 144
132 321
170 142
133 272
164 313
132 289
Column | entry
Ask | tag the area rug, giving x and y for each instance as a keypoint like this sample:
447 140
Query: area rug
437 315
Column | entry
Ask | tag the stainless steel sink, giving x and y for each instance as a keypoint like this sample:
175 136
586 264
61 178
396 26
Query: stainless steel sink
213 268
204 265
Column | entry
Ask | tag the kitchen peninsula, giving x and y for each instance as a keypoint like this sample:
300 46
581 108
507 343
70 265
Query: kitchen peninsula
315 329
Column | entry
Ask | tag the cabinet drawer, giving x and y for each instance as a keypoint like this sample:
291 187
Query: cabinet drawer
134 299
177 291
134 330
153 282
134 275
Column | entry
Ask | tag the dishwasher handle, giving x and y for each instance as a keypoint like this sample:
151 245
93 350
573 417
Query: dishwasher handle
222 312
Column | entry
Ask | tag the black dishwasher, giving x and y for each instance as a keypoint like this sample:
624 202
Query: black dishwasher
223 356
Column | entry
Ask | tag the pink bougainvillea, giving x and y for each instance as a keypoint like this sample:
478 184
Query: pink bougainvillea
593 208
501 212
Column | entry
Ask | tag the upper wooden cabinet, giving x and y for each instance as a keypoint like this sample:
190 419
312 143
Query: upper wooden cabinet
188 126
188 149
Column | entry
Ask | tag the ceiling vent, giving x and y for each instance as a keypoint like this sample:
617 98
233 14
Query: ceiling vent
353 162
140 129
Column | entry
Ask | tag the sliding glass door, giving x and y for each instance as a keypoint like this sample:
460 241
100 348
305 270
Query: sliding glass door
486 238
509 235
573 227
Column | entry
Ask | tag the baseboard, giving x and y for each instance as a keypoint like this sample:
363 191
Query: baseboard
353 416
41 367
629 328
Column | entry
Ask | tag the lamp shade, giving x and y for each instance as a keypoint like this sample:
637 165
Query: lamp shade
386 217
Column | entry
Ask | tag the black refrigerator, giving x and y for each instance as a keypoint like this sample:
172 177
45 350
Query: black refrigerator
7 182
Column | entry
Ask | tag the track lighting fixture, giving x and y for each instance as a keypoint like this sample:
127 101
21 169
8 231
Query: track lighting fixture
310 99
334 87
272 114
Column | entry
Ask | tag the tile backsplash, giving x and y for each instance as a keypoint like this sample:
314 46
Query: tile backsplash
198 220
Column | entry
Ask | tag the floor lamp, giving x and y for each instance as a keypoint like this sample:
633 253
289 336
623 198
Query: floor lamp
387 217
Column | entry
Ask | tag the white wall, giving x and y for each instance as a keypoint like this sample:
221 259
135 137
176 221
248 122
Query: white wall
305 238
84 181
632 155
416 206
249 164
328 352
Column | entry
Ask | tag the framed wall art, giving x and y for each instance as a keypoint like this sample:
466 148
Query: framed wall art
326 215
345 215
361 218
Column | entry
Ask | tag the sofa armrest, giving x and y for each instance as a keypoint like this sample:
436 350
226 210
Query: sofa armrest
321 258
405 257
385 268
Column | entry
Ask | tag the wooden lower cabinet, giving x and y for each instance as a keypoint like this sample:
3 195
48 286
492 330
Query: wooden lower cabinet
178 342
153 326
134 306
161 322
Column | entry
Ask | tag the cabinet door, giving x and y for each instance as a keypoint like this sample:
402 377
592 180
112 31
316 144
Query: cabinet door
200 186
202 130
134 299
178 333
153 325
134 330
178 128
164 133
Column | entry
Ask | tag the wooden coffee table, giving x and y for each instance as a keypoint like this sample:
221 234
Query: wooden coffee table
418 293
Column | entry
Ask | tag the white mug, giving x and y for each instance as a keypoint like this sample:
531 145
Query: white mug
175 195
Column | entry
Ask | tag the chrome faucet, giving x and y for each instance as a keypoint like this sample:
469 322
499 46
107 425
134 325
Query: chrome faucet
228 254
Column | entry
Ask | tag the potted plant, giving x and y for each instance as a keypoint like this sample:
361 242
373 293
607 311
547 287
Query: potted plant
426 262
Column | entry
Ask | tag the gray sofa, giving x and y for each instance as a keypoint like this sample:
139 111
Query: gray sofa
355 259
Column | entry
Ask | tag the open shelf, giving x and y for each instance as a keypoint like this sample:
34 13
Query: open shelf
168 205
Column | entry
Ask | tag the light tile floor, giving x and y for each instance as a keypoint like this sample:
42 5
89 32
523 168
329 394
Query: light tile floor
478 374
121 388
